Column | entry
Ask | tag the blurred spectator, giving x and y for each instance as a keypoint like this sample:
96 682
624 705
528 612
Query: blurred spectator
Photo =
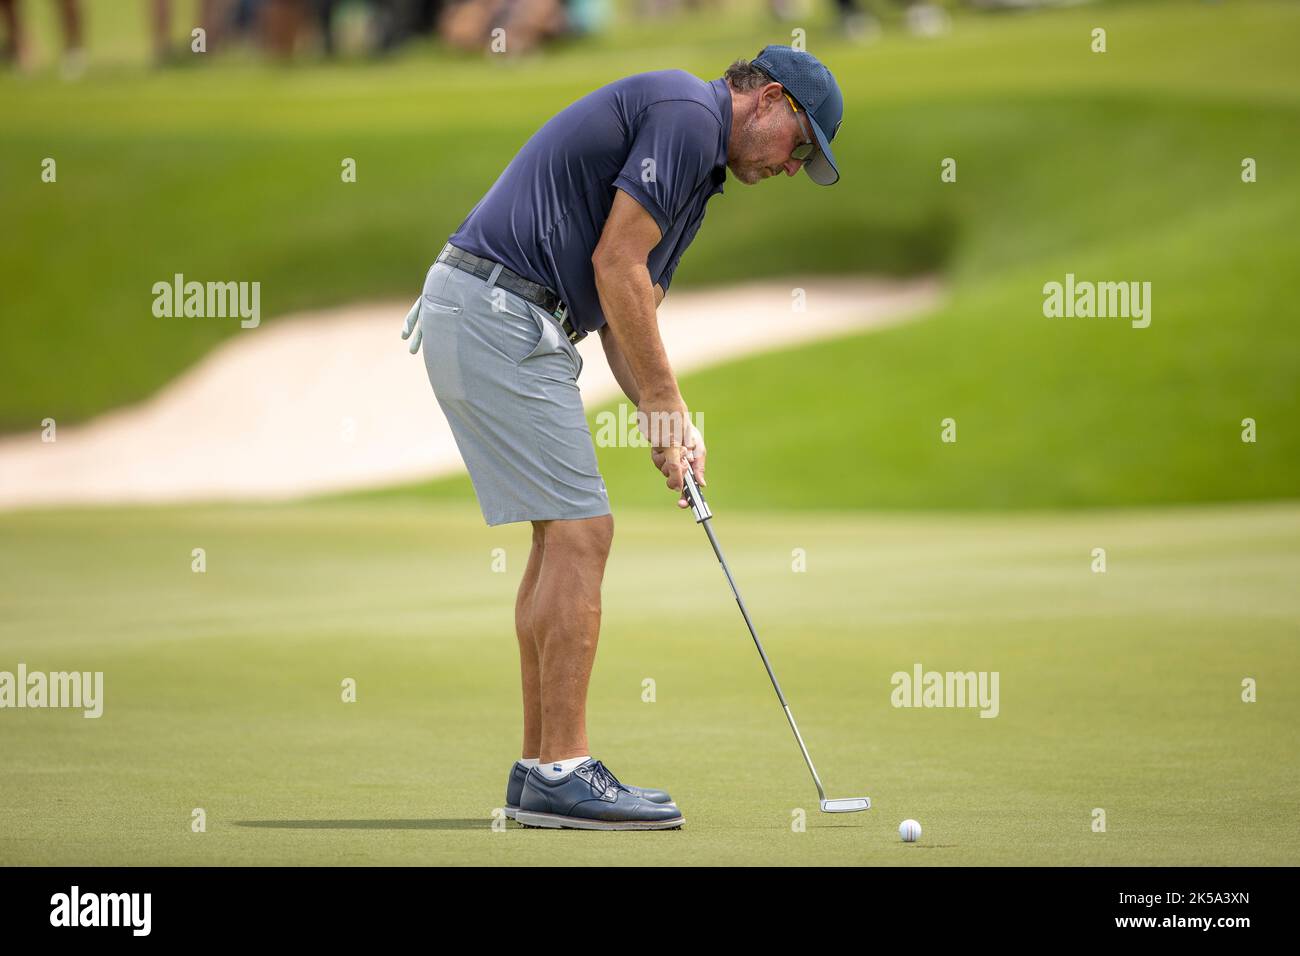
662 8
469 24
18 52
862 21
283 25
284 28
402 20
280 23
212 15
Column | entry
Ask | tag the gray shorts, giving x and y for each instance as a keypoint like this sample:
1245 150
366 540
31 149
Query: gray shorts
506 377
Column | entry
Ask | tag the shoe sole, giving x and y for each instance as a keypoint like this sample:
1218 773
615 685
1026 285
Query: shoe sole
554 821
511 811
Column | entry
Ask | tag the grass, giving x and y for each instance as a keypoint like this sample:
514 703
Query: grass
1118 691
1122 166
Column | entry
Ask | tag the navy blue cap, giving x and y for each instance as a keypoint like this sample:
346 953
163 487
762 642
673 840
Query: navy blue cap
815 90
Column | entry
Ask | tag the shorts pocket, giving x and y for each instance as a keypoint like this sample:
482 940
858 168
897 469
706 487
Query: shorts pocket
523 334
574 354
438 304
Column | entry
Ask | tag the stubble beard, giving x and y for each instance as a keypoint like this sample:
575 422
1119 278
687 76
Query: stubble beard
753 138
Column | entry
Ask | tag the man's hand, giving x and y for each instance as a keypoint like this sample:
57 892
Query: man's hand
673 460
412 324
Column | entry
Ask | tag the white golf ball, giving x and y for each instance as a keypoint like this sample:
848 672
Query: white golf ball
910 831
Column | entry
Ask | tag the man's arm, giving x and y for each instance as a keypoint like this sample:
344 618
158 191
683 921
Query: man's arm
617 364
629 300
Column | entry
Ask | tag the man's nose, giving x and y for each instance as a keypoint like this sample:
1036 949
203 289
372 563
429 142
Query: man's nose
792 166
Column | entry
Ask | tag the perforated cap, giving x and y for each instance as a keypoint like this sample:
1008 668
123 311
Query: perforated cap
815 90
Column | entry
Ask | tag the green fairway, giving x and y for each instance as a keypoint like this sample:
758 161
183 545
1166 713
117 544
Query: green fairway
1119 691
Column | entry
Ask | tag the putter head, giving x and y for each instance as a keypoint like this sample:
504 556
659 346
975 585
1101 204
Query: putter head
846 805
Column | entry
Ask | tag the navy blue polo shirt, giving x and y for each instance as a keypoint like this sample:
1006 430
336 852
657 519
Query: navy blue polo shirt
661 137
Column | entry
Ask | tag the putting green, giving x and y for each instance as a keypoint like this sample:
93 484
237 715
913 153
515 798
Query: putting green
1120 691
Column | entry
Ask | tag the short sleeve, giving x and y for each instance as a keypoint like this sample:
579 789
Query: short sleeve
666 278
674 151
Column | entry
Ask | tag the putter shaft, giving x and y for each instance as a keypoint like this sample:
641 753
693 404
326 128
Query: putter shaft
703 516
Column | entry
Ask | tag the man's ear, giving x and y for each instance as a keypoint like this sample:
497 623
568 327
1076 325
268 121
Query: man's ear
770 95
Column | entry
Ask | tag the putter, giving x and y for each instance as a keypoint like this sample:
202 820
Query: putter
691 492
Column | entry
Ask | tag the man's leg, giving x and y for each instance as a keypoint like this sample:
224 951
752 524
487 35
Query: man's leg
529 669
566 627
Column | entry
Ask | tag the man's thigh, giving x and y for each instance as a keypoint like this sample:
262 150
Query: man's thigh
506 378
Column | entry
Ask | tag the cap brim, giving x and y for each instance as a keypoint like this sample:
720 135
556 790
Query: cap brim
821 168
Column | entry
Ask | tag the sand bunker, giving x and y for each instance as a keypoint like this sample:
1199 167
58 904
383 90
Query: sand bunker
332 401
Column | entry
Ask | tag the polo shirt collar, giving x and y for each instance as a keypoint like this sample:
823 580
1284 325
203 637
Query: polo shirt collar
722 93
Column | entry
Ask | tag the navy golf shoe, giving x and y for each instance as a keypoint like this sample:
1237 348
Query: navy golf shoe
591 798
518 773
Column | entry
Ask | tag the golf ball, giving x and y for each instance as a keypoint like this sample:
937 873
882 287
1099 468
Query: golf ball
910 831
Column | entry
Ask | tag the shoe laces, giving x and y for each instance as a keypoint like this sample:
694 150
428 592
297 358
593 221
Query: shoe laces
602 779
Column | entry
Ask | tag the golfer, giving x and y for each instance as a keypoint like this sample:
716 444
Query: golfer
582 232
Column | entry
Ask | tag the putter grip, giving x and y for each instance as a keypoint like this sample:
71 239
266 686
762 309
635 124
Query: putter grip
691 492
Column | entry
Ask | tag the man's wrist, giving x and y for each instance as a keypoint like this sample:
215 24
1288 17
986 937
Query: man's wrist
662 396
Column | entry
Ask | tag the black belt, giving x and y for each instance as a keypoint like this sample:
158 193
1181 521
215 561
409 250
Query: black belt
511 281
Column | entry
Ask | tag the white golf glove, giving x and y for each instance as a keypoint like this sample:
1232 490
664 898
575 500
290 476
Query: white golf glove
412 324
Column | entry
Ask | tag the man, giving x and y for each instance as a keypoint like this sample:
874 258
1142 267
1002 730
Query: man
582 232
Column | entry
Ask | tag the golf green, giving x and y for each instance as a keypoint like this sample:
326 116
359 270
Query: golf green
1118 691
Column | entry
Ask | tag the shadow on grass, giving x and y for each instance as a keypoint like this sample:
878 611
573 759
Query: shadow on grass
447 824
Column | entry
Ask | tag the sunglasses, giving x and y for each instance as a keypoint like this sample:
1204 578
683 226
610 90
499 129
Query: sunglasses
807 148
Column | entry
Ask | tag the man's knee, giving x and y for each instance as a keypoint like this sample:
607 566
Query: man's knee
580 538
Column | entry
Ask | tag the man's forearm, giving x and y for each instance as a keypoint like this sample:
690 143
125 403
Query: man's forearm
618 364
628 301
